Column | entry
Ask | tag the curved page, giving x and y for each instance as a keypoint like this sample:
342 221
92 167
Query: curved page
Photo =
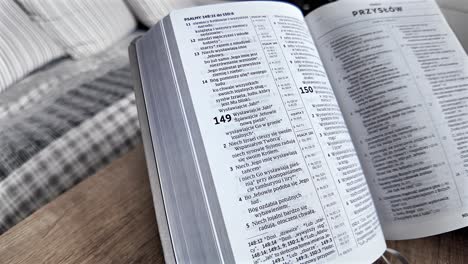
400 76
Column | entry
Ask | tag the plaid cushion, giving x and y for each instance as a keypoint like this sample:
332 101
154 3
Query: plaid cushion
80 152
23 136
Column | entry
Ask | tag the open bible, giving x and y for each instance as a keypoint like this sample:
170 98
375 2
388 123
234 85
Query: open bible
274 138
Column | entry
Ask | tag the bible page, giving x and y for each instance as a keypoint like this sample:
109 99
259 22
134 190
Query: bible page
288 180
400 76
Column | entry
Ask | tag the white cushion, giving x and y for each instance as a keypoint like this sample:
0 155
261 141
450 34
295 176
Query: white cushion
23 46
82 27
149 12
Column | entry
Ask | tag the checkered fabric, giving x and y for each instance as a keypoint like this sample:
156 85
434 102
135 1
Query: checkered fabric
79 123
60 165
24 136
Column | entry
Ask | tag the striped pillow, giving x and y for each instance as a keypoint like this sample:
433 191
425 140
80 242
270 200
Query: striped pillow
23 46
82 27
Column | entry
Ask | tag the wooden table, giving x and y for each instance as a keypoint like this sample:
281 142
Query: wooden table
109 218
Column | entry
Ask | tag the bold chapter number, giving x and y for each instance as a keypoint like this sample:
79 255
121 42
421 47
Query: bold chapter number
223 119
306 89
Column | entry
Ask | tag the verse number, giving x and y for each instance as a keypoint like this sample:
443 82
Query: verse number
222 119
306 89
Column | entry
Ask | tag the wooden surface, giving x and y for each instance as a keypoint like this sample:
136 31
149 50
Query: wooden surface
447 248
109 218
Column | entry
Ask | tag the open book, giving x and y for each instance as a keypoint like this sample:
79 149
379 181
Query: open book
274 138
